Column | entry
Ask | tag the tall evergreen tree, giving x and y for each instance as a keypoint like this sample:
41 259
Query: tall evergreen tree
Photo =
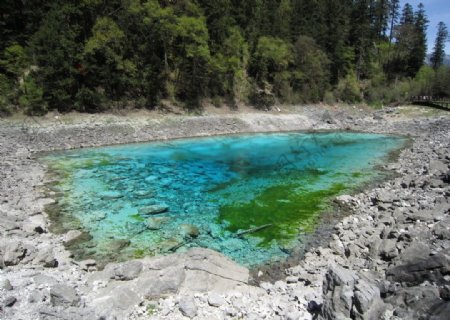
394 7
380 17
419 51
407 14
437 57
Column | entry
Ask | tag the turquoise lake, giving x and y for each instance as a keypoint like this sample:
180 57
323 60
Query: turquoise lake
251 197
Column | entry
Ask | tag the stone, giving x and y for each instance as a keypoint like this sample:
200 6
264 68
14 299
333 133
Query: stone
46 258
153 209
347 200
9 224
156 223
5 285
337 246
151 179
189 230
387 249
110 195
432 268
327 118
166 281
384 196
187 306
9 301
42 279
338 294
170 245
314 307
438 167
442 229
118 245
126 271
424 215
35 224
35 297
74 237
415 251
420 300
440 312
14 252
88 265
115 304
367 300
63 295
338 276
216 300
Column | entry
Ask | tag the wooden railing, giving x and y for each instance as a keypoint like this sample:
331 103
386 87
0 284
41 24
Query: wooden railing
432 101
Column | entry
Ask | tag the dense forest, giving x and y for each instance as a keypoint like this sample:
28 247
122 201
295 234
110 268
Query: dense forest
95 55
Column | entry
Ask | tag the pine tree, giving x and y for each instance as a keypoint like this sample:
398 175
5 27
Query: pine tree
419 51
437 57
394 14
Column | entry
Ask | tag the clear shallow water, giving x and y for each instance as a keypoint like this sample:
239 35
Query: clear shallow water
211 190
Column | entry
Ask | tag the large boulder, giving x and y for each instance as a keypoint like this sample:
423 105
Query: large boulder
197 270
432 268
63 295
348 295
14 252
125 271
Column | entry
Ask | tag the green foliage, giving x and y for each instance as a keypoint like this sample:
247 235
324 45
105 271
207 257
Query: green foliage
348 89
272 58
31 97
311 74
94 55
441 85
5 95
14 60
438 51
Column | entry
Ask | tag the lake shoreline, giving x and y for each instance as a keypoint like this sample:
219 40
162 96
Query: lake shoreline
73 289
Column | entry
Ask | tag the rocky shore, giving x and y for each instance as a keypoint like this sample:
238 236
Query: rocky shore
388 259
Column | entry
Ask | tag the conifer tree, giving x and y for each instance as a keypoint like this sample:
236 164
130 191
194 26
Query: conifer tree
437 57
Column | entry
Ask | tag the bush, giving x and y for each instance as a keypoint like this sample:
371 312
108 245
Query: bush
5 95
348 89
88 100
262 98
31 98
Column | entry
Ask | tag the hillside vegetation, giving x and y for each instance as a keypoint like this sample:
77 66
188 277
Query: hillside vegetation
94 55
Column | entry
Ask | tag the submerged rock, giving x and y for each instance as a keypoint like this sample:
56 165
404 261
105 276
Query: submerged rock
110 195
171 244
189 230
74 237
156 223
153 209
117 245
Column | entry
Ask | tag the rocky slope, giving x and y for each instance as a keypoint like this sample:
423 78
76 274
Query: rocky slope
389 259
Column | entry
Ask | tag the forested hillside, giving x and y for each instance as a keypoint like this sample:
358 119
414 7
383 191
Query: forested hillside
93 55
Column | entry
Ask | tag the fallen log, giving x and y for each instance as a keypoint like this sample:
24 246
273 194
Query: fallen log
252 230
